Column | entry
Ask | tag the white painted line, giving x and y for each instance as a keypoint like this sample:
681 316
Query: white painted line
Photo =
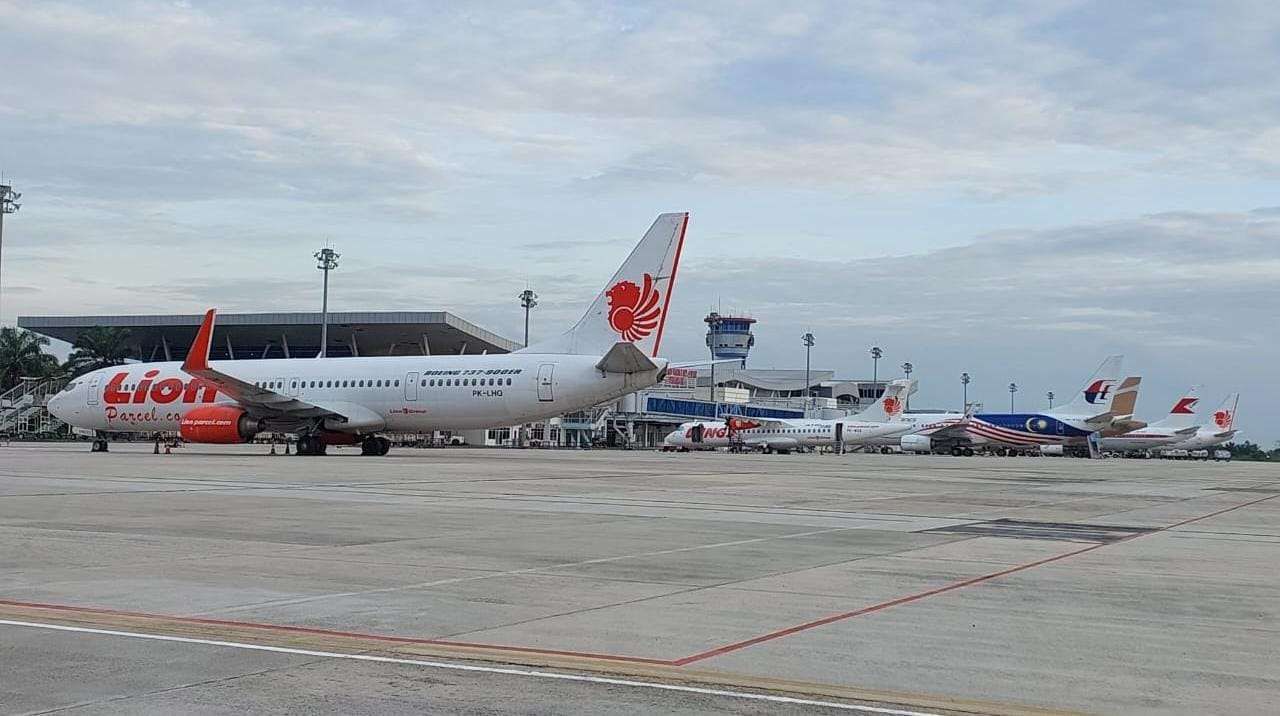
770 698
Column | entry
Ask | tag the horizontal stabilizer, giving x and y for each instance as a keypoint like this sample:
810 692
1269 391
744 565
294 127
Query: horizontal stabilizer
625 357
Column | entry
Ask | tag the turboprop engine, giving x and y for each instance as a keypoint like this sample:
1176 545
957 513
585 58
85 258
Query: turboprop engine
223 424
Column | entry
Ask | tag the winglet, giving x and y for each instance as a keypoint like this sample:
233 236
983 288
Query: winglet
198 357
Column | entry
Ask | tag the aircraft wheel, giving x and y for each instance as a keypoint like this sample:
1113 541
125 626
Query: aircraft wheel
310 445
885 451
957 451
384 446
99 446
968 452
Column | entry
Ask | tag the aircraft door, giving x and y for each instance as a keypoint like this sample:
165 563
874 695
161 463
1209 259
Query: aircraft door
839 433
411 386
695 435
546 379
295 386
94 389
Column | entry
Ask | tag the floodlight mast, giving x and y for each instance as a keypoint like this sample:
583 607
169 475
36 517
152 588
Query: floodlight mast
326 260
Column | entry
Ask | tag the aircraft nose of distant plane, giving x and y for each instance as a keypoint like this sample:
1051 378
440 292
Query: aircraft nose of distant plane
60 407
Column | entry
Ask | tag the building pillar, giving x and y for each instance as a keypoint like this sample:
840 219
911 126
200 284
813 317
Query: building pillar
355 348
165 344
284 345
231 352
426 346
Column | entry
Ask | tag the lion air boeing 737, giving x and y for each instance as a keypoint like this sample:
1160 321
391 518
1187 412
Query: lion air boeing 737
611 351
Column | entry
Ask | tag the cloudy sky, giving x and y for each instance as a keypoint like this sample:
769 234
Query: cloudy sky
1011 189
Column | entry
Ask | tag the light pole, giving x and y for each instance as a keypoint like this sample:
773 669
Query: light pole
1013 388
876 353
1050 396
808 347
8 205
528 299
964 380
907 368
326 260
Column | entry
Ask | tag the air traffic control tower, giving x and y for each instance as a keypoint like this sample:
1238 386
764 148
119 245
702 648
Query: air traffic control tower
729 336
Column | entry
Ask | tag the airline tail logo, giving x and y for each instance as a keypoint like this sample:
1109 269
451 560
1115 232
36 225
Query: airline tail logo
1223 418
1185 406
1098 391
892 405
633 310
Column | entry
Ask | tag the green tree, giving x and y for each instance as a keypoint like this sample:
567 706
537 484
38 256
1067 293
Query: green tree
22 356
98 347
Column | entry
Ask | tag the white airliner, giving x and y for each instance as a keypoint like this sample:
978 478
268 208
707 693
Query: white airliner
784 435
1220 428
611 351
1178 426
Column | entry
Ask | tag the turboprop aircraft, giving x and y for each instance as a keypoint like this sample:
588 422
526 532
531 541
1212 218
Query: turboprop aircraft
784 435
611 351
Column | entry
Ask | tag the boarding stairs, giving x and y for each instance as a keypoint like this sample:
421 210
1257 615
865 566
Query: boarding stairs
24 408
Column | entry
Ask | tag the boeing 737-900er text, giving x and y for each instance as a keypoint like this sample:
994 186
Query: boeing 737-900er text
784 435
611 351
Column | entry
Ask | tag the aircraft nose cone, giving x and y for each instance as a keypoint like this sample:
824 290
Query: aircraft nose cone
56 405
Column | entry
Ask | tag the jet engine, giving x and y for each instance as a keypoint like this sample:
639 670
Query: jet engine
916 443
1052 450
222 424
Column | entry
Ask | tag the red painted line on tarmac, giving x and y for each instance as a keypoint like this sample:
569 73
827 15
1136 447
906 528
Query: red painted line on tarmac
336 633
780 633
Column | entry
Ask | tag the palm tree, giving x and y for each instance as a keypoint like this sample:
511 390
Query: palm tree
98 347
22 355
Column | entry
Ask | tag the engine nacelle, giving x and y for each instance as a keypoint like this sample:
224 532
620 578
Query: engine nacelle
219 424
1053 450
916 443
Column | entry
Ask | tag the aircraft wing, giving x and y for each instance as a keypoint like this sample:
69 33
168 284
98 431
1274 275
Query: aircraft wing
956 429
737 422
261 400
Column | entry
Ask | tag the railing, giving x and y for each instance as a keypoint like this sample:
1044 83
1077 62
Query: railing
24 408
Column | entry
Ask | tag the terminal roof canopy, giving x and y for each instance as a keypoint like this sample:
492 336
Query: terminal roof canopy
271 335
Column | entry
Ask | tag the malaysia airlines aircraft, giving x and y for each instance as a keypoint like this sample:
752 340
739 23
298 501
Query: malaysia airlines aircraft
1178 426
1220 429
784 435
1105 403
611 351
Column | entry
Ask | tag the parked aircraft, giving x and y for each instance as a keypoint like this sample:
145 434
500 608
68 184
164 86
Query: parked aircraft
1178 426
1220 428
611 351
1104 403
784 435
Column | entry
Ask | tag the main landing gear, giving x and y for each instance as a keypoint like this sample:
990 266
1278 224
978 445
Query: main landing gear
99 445
311 445
375 445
